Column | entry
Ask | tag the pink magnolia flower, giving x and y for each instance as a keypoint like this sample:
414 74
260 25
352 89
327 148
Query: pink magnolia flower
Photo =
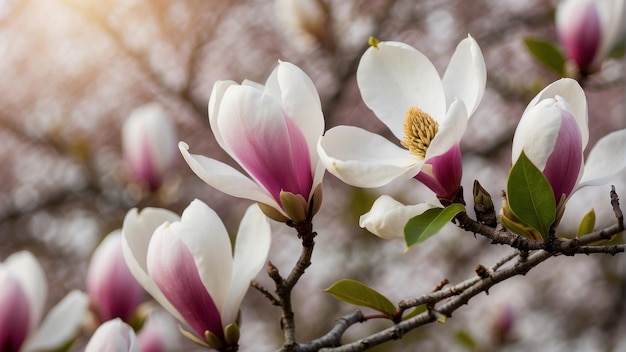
113 336
159 333
113 290
589 29
149 145
271 131
187 264
23 294
427 113
553 133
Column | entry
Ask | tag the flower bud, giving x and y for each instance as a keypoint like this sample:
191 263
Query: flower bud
113 336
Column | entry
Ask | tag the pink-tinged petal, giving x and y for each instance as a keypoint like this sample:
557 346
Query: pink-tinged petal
149 144
564 165
206 238
159 333
537 132
466 75
113 336
297 94
14 312
451 130
606 159
251 249
26 268
392 77
111 286
579 30
263 139
442 174
225 178
214 104
137 231
571 92
612 21
388 217
61 324
364 159
173 269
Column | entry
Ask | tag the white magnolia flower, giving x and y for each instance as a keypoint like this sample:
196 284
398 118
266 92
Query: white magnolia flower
187 264
23 294
271 131
113 336
427 113
388 217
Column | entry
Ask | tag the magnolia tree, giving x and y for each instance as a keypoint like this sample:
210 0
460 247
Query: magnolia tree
281 154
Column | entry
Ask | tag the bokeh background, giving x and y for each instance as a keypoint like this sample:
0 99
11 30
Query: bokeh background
71 72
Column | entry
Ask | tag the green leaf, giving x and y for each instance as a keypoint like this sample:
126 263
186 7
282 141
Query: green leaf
464 338
415 312
423 226
358 293
587 223
530 196
547 53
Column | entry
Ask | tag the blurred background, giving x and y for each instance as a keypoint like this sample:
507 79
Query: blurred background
72 71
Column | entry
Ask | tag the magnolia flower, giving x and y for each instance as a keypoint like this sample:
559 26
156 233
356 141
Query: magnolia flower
553 133
113 336
308 19
149 145
589 29
159 333
113 290
23 294
388 217
187 265
271 131
426 113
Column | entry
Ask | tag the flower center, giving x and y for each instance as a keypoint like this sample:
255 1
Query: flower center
419 131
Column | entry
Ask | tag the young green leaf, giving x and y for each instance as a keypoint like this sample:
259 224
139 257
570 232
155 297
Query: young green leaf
530 196
425 225
547 53
587 223
415 312
358 293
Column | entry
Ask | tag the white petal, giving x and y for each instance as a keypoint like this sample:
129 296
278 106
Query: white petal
466 75
299 98
451 130
204 234
136 234
113 336
214 105
364 159
61 324
226 179
26 268
573 93
612 21
251 249
606 159
388 217
392 77
537 133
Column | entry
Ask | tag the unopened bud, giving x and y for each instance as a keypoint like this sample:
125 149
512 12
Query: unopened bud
483 206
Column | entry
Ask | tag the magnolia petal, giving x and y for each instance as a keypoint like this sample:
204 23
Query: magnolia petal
214 105
466 75
251 249
297 94
173 269
571 91
137 232
61 324
113 336
393 77
364 159
14 312
225 178
204 234
387 217
537 132
612 22
606 159
451 130
26 268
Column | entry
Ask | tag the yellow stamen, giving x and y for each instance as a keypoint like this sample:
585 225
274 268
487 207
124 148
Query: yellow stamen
419 131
